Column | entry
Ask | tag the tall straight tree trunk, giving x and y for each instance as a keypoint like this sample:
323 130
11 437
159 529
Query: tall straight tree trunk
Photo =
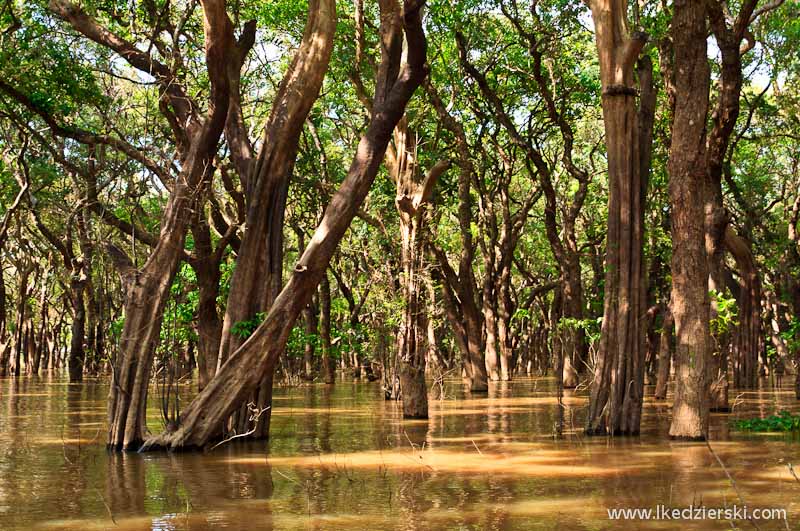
78 329
572 338
464 318
748 329
257 357
413 194
505 312
664 355
328 365
206 265
687 181
618 387
489 310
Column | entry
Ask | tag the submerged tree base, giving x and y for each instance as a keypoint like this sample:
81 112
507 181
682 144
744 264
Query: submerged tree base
688 438
601 432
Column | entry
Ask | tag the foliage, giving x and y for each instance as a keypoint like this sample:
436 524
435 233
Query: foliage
783 421
725 318
591 327
244 329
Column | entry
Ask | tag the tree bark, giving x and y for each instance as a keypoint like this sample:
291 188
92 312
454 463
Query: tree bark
78 328
413 195
258 276
687 178
618 387
328 365
206 264
664 356
748 329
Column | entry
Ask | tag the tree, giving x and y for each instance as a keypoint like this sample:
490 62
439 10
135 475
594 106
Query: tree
618 386
256 358
687 184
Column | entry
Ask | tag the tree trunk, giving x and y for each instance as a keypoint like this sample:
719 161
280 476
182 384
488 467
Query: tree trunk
258 276
206 266
148 288
465 318
618 386
76 350
489 302
328 365
311 325
748 329
504 314
687 178
257 357
664 356
572 338
413 194
22 312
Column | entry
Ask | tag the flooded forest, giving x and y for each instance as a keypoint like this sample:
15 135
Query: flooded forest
399 264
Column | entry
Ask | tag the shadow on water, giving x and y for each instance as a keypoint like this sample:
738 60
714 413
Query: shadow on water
343 458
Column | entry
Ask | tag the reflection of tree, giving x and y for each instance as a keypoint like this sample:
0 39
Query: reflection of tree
324 433
126 488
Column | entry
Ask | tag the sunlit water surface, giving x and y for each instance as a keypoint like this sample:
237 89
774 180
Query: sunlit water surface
343 458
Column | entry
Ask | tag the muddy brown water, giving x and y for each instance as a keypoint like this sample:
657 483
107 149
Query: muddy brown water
343 458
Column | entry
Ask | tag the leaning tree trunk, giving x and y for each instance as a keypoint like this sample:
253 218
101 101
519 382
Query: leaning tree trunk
257 357
257 278
148 288
618 387
687 178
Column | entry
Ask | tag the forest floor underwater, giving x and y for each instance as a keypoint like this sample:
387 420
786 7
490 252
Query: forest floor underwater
342 457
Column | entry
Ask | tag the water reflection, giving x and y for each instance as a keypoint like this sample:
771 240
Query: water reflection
343 458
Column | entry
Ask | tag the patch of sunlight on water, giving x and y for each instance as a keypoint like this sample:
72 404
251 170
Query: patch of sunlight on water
539 463
60 441
319 411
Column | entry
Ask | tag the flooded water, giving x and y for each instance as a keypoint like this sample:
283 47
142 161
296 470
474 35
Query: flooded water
343 458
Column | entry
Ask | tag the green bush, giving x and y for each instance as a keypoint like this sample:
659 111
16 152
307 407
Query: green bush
783 421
